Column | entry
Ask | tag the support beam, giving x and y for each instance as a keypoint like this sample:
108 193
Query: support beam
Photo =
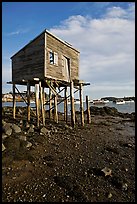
50 103
41 101
65 105
72 103
55 109
88 110
81 104
37 102
14 101
28 101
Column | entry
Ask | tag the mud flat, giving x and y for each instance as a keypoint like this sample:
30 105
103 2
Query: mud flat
56 163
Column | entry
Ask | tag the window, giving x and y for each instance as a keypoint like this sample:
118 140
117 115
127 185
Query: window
56 58
53 58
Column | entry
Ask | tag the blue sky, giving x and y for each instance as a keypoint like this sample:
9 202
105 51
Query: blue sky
104 32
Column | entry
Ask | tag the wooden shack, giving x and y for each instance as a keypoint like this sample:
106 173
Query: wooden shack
47 61
46 56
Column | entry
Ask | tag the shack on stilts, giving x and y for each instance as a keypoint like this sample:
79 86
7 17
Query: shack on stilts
49 62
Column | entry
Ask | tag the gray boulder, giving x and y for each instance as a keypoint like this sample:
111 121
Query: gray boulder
4 136
16 128
31 129
7 129
44 131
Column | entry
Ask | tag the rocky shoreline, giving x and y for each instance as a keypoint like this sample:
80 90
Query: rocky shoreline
58 163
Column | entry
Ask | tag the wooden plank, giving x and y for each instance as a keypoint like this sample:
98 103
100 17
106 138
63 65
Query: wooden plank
65 105
88 110
37 102
72 103
41 101
81 104
14 101
28 101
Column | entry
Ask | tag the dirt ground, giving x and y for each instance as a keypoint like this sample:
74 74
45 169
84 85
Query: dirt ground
94 163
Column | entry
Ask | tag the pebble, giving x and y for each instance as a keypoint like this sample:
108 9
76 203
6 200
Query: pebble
3 147
44 196
107 171
109 195
29 144
125 187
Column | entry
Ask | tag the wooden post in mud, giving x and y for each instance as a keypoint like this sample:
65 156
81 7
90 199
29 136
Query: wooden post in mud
41 101
37 102
14 102
88 110
72 103
65 104
81 104
50 102
55 109
28 101
44 107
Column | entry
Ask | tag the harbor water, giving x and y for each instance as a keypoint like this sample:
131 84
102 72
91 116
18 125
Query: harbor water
128 107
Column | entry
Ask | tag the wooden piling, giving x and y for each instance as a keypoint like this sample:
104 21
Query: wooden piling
81 104
55 109
44 107
72 103
65 105
14 101
88 110
41 101
37 102
50 102
28 101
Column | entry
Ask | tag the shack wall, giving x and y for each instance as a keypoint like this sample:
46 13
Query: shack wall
29 61
62 51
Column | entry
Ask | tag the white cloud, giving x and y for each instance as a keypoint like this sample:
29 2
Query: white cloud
119 12
116 12
17 32
107 47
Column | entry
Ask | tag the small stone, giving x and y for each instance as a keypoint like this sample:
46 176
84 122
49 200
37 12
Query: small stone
109 195
68 127
44 130
3 122
21 122
4 136
129 145
31 129
107 171
23 138
124 186
3 147
29 144
27 125
44 196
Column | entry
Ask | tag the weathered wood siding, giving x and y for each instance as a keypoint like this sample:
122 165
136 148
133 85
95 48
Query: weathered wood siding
29 61
56 71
